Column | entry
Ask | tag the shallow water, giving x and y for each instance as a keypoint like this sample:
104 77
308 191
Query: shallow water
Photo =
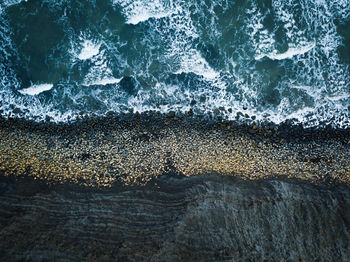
175 219
274 60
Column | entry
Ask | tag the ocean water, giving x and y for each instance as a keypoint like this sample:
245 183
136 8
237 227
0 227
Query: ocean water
274 60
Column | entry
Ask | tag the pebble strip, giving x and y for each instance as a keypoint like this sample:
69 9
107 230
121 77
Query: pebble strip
137 149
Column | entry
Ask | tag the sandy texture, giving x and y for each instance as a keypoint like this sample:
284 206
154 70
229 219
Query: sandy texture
198 218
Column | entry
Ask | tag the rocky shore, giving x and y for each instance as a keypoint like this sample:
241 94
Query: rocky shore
138 148
172 188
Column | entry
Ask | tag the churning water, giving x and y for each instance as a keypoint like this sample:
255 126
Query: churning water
276 60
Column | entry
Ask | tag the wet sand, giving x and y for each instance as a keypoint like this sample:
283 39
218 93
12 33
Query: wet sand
138 148
198 218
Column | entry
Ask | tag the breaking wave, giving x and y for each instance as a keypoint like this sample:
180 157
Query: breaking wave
272 61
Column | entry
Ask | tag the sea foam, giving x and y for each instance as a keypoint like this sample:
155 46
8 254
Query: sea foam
104 81
36 89
141 10
188 55
292 51
89 50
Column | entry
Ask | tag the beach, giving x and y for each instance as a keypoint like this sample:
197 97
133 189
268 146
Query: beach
138 148
172 188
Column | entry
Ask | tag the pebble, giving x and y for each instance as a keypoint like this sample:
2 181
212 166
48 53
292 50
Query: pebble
137 149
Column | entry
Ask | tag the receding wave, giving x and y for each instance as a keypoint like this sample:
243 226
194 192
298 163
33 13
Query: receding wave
273 62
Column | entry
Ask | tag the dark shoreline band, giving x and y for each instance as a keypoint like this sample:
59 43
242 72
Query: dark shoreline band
135 149
174 220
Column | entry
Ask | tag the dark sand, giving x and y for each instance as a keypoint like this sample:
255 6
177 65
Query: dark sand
198 218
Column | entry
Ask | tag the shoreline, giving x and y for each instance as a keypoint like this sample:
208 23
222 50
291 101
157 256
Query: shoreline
163 188
137 148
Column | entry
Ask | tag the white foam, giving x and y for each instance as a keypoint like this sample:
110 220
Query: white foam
195 63
137 11
177 33
325 98
339 97
104 81
99 72
7 3
261 39
292 51
308 90
89 50
36 89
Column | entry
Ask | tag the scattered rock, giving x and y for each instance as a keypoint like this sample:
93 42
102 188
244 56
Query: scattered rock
216 111
110 113
238 115
17 111
48 118
190 112
85 156
171 114
252 131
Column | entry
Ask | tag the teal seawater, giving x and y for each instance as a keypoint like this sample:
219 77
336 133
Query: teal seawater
274 60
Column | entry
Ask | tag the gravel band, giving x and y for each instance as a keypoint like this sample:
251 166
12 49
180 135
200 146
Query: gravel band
138 148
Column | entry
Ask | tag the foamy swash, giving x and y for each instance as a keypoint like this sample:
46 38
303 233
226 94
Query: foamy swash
287 60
